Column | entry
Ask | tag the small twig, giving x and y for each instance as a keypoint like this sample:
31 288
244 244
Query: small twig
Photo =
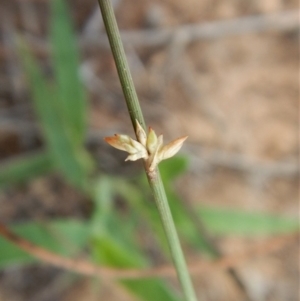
280 22
196 268
210 158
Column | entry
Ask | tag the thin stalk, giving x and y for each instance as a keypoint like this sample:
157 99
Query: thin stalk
117 49
154 178
162 204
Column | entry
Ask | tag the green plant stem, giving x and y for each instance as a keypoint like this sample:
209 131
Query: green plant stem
162 204
154 178
117 49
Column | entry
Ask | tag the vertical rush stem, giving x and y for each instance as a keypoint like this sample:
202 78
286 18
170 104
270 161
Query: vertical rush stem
117 49
162 204
154 178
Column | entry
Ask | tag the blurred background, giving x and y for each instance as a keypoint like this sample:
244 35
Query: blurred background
225 73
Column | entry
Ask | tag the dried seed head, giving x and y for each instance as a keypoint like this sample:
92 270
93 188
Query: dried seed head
150 148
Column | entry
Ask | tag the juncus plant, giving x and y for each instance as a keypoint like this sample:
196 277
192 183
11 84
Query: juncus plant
148 147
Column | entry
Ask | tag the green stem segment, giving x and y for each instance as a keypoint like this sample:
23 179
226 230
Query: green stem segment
117 49
154 178
171 233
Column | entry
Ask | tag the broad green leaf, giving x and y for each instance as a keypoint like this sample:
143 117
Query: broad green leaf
107 222
71 96
234 222
24 168
65 237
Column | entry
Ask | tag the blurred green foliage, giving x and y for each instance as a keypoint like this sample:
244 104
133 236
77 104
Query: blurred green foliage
111 235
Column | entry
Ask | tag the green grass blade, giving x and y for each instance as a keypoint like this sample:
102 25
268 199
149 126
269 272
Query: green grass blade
24 168
188 231
72 161
144 208
109 252
235 222
71 94
113 244
50 235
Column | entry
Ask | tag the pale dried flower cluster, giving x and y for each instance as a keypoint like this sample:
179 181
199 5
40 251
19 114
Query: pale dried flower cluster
149 147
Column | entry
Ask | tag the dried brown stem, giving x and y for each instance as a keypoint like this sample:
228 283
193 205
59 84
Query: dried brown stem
89 269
